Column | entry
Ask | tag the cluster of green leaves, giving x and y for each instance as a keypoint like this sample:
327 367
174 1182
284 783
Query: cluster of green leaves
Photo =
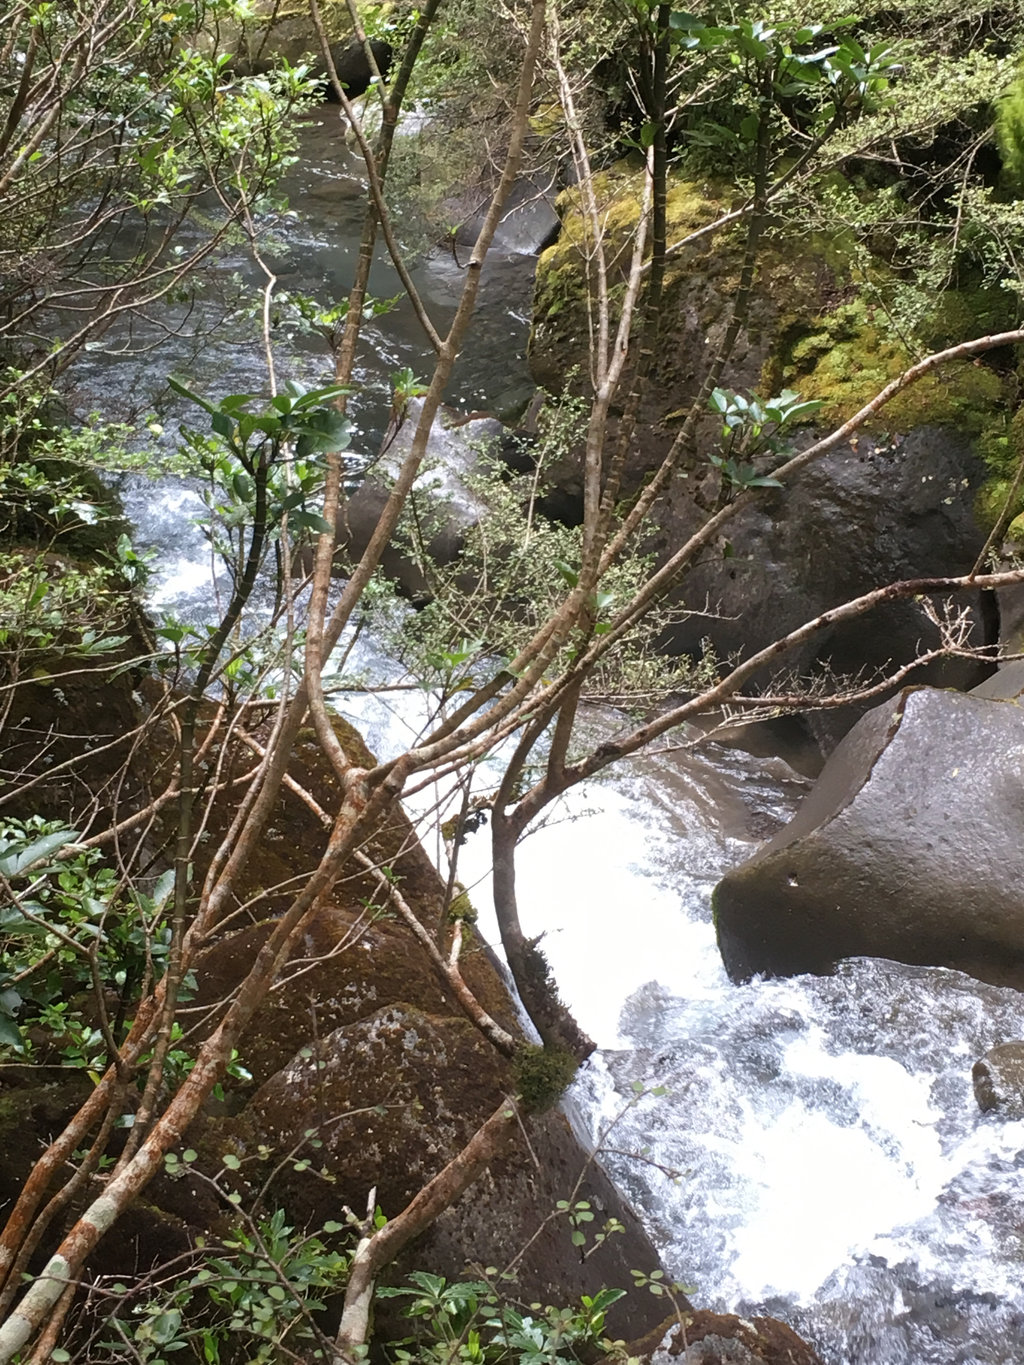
907 202
755 428
53 607
301 314
1010 132
72 923
515 568
830 71
277 449
767 78
248 1296
470 1322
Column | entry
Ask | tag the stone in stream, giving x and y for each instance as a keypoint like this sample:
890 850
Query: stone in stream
999 1080
705 1338
444 501
908 847
353 69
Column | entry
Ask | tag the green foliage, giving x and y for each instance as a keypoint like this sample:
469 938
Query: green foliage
514 571
302 315
264 462
72 923
251 1295
1010 132
542 1074
753 428
469 1321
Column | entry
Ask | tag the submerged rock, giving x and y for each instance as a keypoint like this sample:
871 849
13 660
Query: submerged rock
999 1080
908 847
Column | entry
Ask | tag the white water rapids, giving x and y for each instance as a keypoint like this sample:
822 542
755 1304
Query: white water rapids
830 1163
819 1154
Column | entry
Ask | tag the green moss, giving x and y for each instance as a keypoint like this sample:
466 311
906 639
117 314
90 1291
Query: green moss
1010 132
1001 446
462 907
542 1075
847 356
811 318
561 273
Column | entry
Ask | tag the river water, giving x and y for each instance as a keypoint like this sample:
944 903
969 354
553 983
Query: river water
818 1153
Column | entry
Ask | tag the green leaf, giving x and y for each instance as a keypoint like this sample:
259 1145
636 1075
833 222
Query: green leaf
184 391
303 520
164 1327
163 888
222 424
13 863
749 127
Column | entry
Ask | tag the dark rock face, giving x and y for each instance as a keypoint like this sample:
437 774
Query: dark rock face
855 521
445 504
908 847
999 1081
880 509
354 70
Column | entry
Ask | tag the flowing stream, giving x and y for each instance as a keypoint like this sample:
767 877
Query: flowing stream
818 1154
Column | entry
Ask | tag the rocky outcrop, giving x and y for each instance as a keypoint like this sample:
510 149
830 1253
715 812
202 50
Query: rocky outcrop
855 521
906 498
999 1081
363 1073
908 847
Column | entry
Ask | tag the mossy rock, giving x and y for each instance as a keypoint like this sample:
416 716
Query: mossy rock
813 325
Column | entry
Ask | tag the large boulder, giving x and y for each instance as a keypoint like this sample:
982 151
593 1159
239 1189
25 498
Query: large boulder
907 497
705 1338
908 847
858 519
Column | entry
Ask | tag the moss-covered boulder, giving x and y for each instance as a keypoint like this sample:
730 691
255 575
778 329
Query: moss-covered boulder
912 494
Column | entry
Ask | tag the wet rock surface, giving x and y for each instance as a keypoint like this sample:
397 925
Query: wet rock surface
907 847
704 1338
443 501
999 1081
859 519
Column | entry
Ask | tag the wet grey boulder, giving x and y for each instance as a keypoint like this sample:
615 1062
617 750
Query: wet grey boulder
854 521
908 847
443 502
999 1080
